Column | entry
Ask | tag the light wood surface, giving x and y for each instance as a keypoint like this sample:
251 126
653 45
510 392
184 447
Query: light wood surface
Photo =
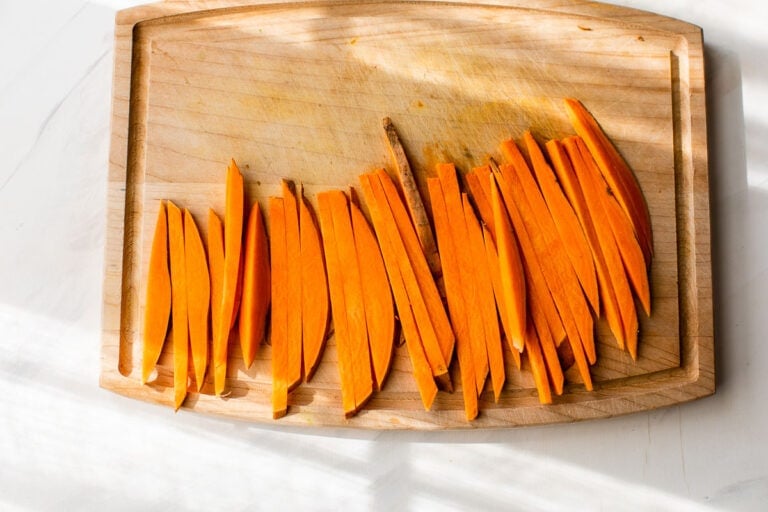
298 91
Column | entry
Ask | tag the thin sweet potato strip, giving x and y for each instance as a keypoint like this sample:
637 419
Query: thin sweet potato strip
547 344
616 172
573 190
458 225
424 278
314 290
412 265
538 366
198 297
492 260
294 284
157 308
279 316
357 350
567 292
412 196
486 302
535 257
536 285
422 371
215 266
577 151
510 270
566 222
457 304
377 297
180 327
254 303
631 252
233 235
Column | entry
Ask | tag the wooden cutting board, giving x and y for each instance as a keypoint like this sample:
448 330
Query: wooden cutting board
297 90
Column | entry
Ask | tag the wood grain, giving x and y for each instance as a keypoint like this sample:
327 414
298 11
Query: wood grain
298 91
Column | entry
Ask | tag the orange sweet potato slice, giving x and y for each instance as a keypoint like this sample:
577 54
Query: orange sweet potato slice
510 270
451 267
535 257
157 309
458 225
198 297
492 260
567 291
254 303
347 306
180 331
314 290
486 304
280 305
617 173
566 222
233 234
577 152
293 284
417 259
538 366
377 297
422 370
573 190
423 297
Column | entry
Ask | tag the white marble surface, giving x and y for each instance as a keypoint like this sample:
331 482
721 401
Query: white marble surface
65 444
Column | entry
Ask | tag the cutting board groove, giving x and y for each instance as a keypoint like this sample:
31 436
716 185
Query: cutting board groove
297 90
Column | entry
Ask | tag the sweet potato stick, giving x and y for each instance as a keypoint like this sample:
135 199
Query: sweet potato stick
566 222
511 270
294 284
425 280
215 266
180 331
548 348
431 318
339 304
422 371
412 196
536 284
485 298
577 151
358 349
157 309
377 297
538 367
314 290
573 190
568 293
457 304
492 260
198 297
254 303
233 235
616 172
532 247
278 332
458 225
631 252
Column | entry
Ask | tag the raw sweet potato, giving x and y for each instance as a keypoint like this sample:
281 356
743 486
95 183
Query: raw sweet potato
157 309
198 297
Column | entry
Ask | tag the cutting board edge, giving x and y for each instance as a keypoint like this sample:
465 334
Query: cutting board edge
678 388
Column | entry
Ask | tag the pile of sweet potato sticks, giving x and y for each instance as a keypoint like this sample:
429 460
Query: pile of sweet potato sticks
532 252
